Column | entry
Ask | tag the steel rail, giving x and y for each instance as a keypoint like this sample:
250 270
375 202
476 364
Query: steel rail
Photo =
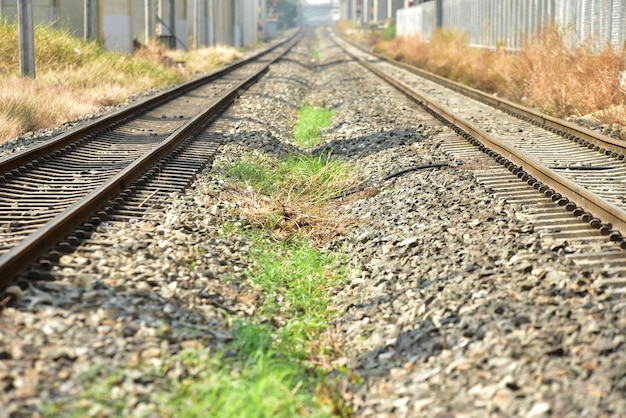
602 143
27 251
32 154
555 185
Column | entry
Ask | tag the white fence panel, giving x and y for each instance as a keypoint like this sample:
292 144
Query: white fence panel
510 23
422 20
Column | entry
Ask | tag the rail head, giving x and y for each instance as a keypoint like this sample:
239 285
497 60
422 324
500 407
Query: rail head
19 257
562 127
609 213
14 161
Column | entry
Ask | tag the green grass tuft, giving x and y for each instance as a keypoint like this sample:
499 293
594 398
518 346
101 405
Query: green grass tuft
261 380
316 176
312 119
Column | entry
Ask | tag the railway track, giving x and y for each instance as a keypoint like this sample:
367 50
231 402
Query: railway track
573 179
54 194
457 304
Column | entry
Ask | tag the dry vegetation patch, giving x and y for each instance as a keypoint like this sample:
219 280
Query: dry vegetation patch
75 77
287 216
549 73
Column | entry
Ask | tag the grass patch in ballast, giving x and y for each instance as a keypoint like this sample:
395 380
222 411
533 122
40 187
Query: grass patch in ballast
270 369
290 196
311 121
276 362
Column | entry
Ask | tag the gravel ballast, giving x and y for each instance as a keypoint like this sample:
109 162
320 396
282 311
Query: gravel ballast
455 306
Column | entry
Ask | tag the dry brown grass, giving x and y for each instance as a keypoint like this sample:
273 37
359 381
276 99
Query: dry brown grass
187 63
27 104
567 81
286 218
203 59
75 77
547 74
448 54
610 115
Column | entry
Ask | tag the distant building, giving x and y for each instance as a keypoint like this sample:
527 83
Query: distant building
322 14
366 12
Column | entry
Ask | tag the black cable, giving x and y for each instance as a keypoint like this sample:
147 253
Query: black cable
369 182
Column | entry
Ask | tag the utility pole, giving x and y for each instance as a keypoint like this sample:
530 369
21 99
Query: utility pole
90 20
27 38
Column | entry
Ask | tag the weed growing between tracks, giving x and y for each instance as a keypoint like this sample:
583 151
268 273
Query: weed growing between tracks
312 119
267 370
286 204
289 197
279 362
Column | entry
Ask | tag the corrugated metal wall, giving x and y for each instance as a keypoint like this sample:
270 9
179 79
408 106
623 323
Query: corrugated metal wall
365 12
422 20
250 14
510 23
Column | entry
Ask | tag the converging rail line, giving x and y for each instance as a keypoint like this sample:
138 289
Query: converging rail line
48 190
576 168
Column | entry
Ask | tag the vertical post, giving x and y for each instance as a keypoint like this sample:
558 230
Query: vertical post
27 38
173 24
89 26
54 13
148 19
196 23
237 26
439 13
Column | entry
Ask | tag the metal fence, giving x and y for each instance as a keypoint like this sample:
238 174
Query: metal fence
511 23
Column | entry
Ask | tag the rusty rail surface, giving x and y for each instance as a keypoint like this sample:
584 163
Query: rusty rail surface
607 216
19 257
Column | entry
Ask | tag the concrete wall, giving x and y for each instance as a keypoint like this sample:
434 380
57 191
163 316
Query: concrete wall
43 10
71 17
144 20
223 22
250 15
182 40
116 25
